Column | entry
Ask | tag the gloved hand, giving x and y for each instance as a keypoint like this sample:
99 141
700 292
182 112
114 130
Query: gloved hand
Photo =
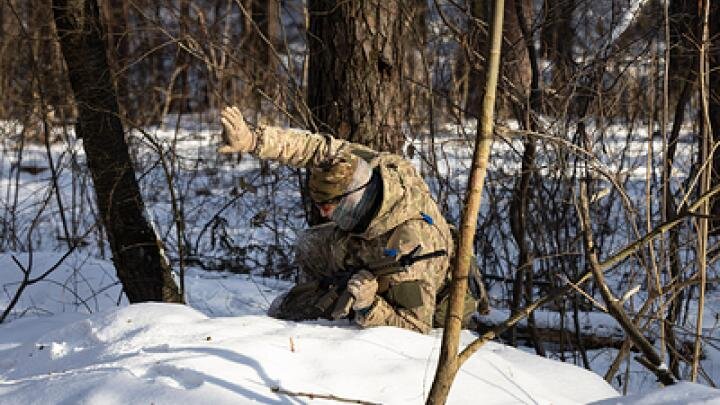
363 286
236 134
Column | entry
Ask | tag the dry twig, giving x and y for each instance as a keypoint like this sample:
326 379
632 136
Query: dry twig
331 397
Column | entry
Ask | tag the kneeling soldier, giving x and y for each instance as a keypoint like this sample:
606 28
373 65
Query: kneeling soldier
380 210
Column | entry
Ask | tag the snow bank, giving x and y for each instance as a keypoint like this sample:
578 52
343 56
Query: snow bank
74 345
169 354
683 393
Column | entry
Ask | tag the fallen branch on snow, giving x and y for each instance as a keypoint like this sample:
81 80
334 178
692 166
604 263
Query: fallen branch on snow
310 395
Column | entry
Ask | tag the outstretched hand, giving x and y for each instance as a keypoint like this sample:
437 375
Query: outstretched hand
236 134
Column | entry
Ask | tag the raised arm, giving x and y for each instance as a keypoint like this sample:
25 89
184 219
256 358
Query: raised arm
295 147
292 147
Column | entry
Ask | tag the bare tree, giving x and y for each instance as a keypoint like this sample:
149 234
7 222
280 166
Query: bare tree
449 362
571 68
137 252
116 17
263 32
529 106
356 69
714 102
557 37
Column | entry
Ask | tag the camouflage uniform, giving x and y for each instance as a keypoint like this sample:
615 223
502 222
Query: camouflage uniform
407 217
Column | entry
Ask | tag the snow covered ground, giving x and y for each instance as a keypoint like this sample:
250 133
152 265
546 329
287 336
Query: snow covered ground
222 349
165 354
682 393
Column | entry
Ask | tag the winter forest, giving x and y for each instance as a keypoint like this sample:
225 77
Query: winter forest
572 144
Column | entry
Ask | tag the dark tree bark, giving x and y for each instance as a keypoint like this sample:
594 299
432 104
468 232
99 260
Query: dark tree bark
355 78
477 43
116 15
515 65
557 38
180 88
520 204
263 41
714 88
675 306
137 253
260 41
684 39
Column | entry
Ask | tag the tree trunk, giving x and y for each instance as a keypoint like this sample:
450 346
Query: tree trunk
356 51
520 204
557 38
178 96
116 15
714 100
684 38
4 76
674 265
266 17
514 81
449 362
478 45
137 253
705 179
261 41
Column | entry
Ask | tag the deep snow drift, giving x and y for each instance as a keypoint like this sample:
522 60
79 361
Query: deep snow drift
224 350
165 353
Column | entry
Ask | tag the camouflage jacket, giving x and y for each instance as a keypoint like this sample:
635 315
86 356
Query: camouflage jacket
408 216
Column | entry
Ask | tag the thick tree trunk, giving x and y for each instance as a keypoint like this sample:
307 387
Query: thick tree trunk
137 253
356 68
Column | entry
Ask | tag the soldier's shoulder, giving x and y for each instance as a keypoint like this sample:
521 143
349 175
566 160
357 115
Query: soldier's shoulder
395 163
388 158
415 230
